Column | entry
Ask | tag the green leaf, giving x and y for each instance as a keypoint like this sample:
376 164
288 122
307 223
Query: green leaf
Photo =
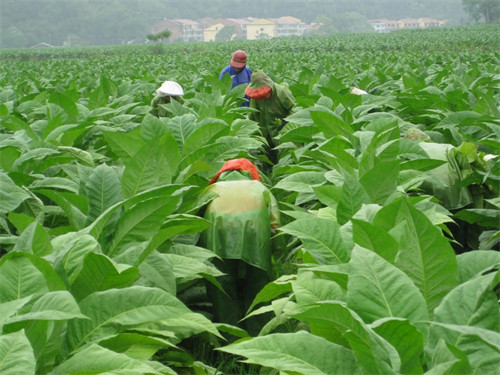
448 360
481 346
59 305
116 310
135 345
207 132
65 103
100 273
11 196
330 123
472 303
376 289
144 170
484 217
34 239
182 127
407 340
374 238
70 204
16 355
353 195
373 353
320 237
124 145
69 252
296 353
142 221
309 290
273 290
94 359
23 275
424 253
103 190
472 263
157 271
7 309
381 181
301 182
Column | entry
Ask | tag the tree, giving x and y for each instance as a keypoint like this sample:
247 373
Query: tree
226 33
165 34
488 10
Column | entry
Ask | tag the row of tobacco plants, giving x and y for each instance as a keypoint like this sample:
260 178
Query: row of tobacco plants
389 261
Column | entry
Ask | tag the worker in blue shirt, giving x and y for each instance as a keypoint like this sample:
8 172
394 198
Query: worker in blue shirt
239 72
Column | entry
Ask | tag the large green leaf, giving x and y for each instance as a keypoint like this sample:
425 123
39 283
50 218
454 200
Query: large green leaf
100 273
124 145
380 182
374 238
157 271
352 196
69 251
473 262
144 170
206 133
310 290
16 355
301 182
59 305
34 239
103 190
142 221
11 196
448 360
424 253
473 303
376 289
374 354
94 359
116 310
296 353
182 127
23 275
481 346
407 340
321 238
7 309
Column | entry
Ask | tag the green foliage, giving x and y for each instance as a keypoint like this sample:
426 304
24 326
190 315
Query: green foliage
389 238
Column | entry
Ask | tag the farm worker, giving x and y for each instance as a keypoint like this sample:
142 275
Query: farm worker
244 214
274 102
167 91
239 71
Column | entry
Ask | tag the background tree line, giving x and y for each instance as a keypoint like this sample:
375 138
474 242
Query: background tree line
24 23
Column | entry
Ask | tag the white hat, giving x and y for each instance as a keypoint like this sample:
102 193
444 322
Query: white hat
170 88
357 91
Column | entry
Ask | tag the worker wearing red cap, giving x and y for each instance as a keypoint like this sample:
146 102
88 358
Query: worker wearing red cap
243 215
239 71
274 102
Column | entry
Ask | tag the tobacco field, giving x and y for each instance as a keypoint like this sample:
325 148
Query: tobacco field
388 258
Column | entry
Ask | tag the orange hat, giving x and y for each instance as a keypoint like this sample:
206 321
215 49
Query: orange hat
237 165
263 92
239 59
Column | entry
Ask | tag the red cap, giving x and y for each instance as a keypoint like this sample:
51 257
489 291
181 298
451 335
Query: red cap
239 165
239 59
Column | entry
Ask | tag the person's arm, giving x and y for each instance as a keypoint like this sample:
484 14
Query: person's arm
224 71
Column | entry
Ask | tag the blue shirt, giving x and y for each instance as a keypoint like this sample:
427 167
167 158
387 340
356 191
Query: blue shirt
240 78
